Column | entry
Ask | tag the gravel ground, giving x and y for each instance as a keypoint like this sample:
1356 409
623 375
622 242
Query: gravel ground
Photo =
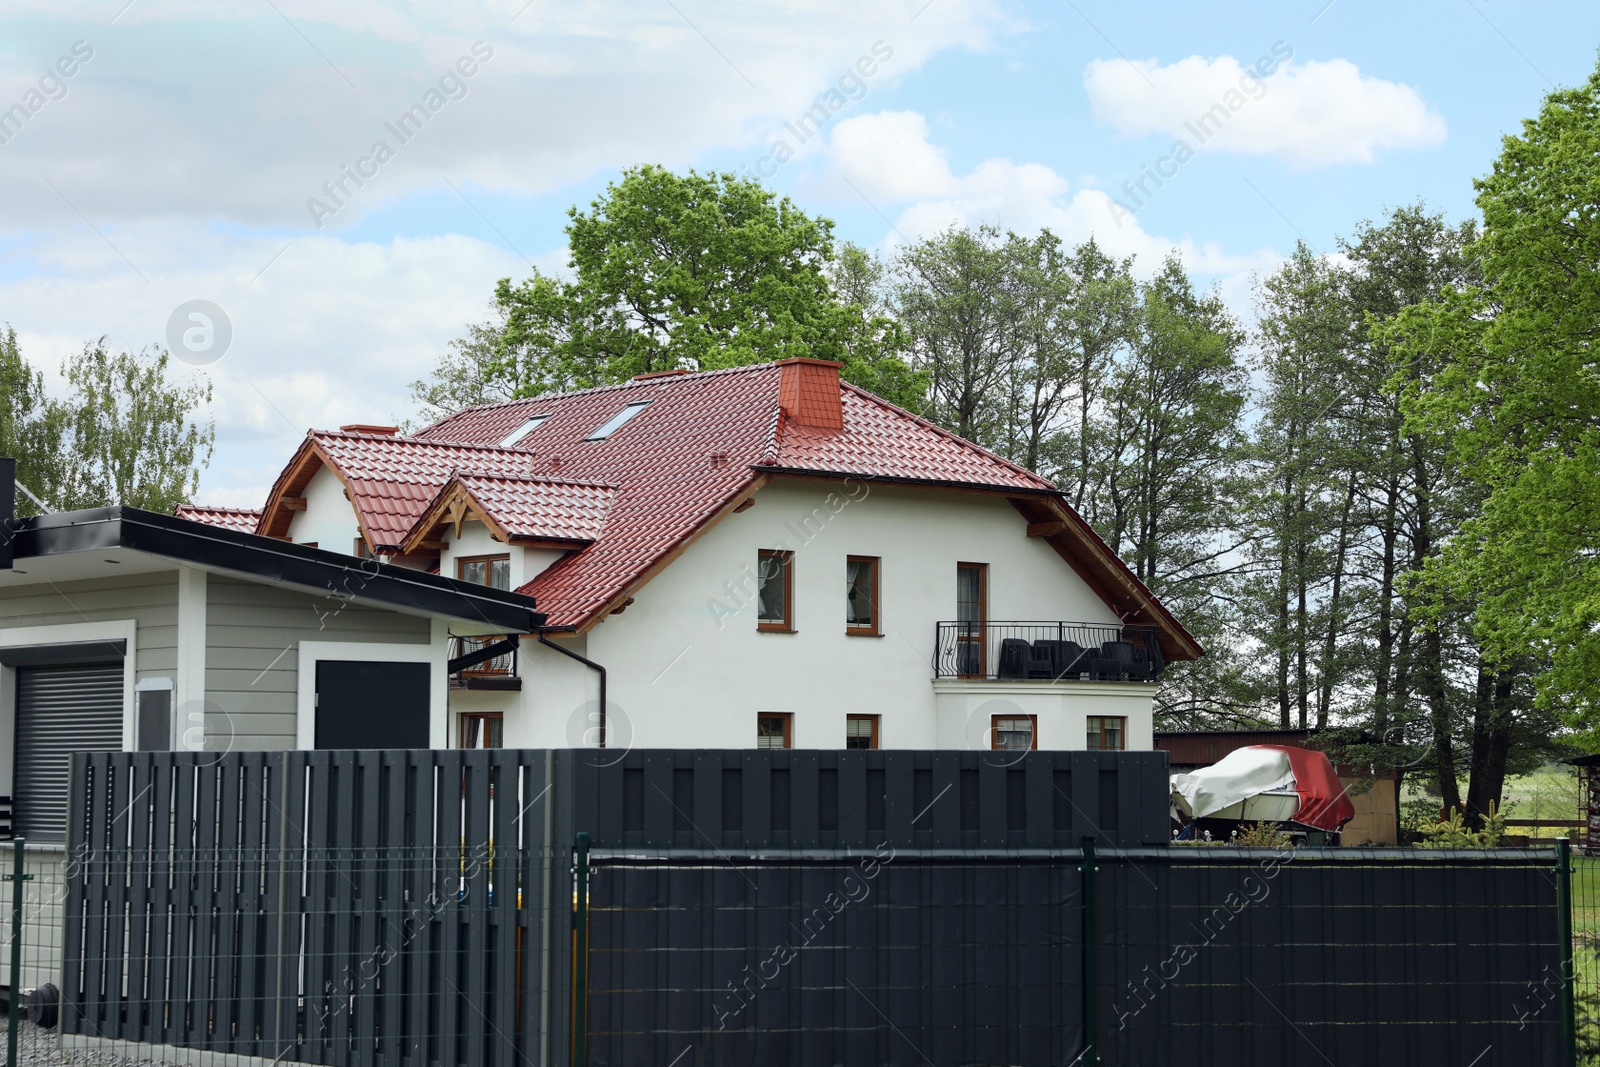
42 1048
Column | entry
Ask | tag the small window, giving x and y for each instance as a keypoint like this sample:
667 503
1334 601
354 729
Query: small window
1014 733
775 590
617 421
861 595
153 724
492 571
861 731
522 431
482 729
1107 733
774 730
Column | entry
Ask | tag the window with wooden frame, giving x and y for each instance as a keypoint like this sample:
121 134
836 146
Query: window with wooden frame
861 596
1108 733
775 729
492 571
775 591
972 619
861 731
1014 733
482 729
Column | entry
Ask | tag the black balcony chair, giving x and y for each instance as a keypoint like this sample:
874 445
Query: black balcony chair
1042 659
1066 658
1117 657
1141 671
1013 659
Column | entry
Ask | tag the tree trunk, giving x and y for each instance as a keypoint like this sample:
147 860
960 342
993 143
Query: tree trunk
1491 742
1325 696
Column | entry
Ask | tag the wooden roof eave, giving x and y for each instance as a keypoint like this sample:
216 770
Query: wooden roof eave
1106 574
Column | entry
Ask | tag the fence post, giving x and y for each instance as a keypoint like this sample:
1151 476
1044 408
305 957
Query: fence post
1091 975
13 998
1569 1015
580 963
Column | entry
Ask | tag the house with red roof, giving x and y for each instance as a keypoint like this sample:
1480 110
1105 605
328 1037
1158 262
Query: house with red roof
760 556
764 556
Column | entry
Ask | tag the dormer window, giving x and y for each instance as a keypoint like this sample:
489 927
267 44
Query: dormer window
617 421
492 571
530 425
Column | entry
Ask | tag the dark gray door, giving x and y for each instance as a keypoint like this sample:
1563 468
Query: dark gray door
60 710
362 704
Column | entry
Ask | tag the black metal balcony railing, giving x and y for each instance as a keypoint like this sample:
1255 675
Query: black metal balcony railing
1047 651
502 666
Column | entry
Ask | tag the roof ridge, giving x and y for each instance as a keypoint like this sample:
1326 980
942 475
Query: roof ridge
957 438
629 384
544 479
424 441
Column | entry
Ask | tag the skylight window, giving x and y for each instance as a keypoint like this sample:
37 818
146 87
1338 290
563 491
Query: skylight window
522 431
617 421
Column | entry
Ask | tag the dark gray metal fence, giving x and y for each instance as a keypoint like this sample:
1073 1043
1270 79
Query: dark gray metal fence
774 907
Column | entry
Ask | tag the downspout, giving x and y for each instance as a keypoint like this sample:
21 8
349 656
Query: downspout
592 665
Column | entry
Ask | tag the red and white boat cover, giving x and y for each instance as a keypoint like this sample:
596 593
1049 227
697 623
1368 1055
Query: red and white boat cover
1257 769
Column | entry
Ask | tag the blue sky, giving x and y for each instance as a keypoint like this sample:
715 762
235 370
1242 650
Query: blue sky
178 160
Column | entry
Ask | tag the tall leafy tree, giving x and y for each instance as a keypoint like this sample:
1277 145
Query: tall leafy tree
699 271
957 296
32 427
135 437
1163 483
1516 395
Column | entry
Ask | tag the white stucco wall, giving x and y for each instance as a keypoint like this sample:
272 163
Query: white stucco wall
687 667
477 540
329 520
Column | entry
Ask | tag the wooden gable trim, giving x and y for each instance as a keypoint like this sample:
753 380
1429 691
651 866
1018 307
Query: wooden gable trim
666 559
1105 573
454 505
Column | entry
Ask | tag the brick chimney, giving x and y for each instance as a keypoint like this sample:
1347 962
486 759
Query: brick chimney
808 392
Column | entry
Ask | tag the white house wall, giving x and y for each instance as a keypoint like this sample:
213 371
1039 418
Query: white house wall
687 667
329 520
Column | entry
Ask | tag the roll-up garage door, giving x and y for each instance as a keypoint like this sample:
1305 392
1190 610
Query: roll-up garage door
60 710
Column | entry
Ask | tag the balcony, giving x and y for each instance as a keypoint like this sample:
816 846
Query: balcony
1047 652
495 672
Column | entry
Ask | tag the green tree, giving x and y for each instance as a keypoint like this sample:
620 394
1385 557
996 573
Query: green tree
698 271
957 296
133 436
1164 480
467 374
1516 395
32 427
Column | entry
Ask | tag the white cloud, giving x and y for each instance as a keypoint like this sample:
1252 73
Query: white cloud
1309 114
332 333
232 112
888 159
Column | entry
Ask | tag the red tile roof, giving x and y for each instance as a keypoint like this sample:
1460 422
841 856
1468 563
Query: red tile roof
391 480
704 443
240 520
526 507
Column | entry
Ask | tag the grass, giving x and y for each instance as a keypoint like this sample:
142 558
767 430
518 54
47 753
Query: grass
1552 792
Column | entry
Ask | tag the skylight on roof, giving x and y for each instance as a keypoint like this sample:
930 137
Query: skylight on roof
522 431
617 421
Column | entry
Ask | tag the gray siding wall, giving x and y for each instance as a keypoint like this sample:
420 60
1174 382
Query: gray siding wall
253 635
151 600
